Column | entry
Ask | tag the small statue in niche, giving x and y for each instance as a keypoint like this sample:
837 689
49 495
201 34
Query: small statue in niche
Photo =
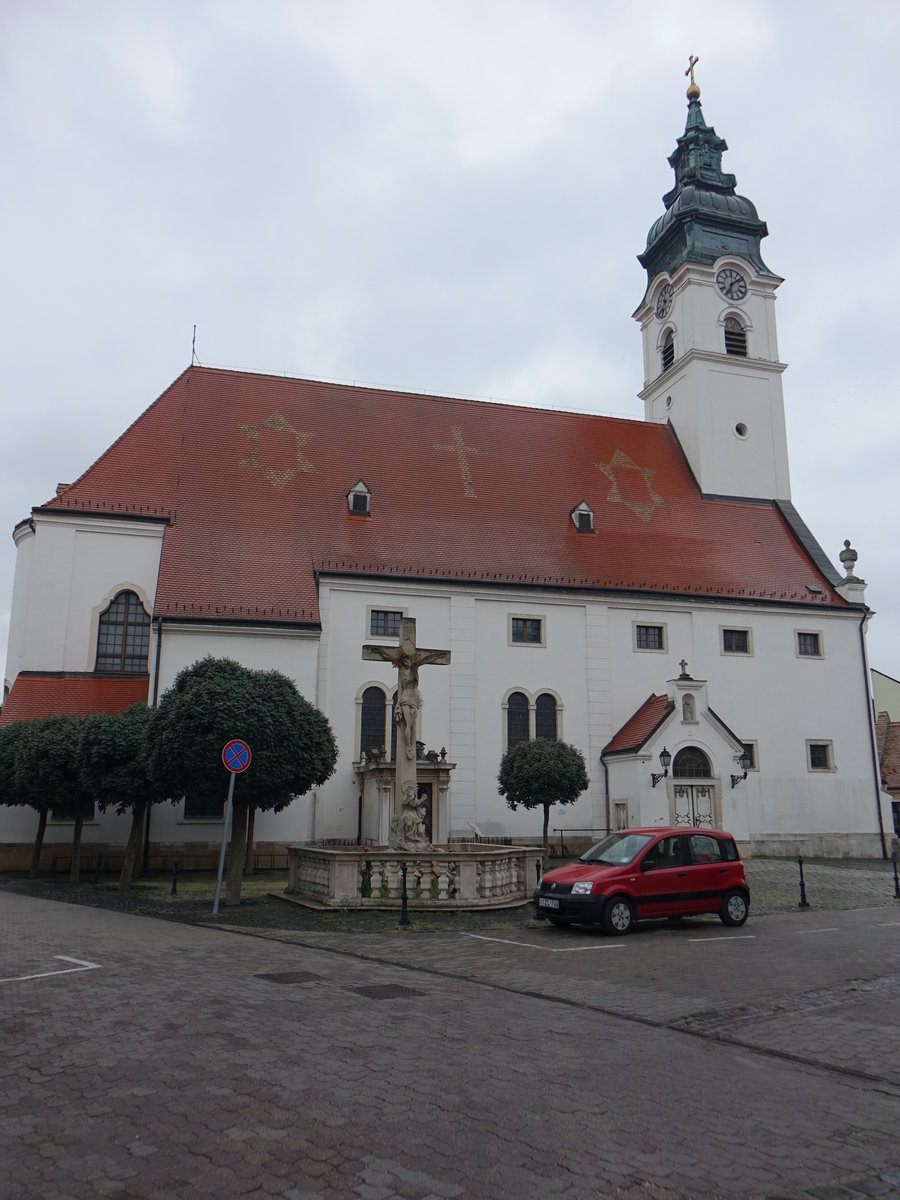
688 712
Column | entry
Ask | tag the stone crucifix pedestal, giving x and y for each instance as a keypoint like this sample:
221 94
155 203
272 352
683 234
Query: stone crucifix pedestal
407 658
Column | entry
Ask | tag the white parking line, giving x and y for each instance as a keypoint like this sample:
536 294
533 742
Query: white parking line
829 929
550 949
731 937
83 965
887 924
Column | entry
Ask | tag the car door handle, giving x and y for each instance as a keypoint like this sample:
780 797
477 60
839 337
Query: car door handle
682 874
723 870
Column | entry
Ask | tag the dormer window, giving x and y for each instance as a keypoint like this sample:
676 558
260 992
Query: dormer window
359 500
668 351
583 517
735 337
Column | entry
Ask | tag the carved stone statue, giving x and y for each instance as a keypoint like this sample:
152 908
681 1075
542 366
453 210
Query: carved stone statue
408 826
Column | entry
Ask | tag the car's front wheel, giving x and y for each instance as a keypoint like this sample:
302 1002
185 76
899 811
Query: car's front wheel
735 909
618 916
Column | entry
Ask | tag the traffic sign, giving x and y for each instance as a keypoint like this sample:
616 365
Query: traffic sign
236 756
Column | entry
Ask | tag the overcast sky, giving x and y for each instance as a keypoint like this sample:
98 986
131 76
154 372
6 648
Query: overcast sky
443 196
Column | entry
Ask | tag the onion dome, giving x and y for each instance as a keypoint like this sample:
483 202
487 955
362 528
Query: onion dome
704 216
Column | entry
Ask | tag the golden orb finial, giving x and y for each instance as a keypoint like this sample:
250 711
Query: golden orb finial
693 92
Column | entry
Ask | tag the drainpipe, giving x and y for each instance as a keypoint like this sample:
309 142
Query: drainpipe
605 766
870 705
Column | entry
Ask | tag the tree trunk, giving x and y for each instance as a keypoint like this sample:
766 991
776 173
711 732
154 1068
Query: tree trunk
546 827
133 847
237 850
251 824
38 844
75 868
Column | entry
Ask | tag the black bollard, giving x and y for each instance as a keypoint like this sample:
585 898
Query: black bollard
404 898
174 891
896 880
804 903
98 867
537 870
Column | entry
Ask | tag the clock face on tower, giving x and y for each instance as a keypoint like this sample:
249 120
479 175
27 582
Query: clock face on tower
664 301
731 284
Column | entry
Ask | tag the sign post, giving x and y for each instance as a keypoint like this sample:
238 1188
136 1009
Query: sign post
236 757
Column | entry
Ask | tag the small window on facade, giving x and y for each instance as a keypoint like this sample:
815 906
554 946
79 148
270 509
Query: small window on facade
384 622
691 763
123 636
735 641
735 337
516 719
809 645
526 631
750 750
668 351
819 756
66 816
545 717
649 637
197 809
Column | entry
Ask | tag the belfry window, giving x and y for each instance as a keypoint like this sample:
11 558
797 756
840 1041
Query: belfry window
123 636
668 351
735 337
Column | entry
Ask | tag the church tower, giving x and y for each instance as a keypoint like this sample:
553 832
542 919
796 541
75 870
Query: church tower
707 320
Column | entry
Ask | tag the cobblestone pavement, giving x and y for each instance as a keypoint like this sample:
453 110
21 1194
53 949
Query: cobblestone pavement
146 1059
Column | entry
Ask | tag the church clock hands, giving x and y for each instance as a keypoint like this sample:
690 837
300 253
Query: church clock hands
731 284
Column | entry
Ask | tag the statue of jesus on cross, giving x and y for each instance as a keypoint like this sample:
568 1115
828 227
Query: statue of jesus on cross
407 658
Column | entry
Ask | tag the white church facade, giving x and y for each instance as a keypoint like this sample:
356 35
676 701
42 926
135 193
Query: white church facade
636 588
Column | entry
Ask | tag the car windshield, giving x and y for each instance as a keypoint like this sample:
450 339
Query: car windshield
618 849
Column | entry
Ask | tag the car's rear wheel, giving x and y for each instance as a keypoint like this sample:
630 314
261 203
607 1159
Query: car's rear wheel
618 916
735 909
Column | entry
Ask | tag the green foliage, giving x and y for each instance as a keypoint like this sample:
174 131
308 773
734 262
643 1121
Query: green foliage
114 759
540 773
216 700
14 784
47 764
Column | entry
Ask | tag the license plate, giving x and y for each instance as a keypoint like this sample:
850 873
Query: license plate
546 902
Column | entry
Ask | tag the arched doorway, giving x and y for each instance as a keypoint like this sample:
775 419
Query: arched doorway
693 789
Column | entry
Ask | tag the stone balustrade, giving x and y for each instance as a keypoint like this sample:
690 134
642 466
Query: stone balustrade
464 875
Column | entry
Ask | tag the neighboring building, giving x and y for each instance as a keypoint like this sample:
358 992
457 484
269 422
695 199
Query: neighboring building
886 693
627 586
887 737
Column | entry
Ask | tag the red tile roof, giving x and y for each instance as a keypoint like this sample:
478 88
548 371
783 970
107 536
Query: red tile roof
253 471
47 694
638 728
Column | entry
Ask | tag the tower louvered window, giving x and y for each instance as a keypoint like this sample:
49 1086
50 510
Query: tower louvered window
735 337
668 351
123 636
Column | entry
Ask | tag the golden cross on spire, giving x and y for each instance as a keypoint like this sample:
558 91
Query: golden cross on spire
692 62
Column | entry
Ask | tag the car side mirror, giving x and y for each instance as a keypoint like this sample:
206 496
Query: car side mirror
647 864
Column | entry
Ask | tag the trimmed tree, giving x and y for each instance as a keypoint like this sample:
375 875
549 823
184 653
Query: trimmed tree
114 763
216 700
47 763
542 773
15 785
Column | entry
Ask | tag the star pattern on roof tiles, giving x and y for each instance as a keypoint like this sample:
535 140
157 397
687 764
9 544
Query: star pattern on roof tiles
462 452
631 485
277 449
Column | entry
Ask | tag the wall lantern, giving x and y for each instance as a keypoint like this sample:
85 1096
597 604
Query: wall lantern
744 760
665 761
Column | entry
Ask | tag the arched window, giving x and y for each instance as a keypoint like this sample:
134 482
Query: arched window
545 716
516 719
735 337
123 636
668 351
691 763
371 724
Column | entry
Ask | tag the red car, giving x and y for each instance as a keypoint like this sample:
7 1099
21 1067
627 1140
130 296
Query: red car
638 874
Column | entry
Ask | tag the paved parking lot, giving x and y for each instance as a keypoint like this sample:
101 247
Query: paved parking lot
144 1058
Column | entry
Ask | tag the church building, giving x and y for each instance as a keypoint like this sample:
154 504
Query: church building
642 589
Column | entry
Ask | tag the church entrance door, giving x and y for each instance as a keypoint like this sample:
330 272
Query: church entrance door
694 804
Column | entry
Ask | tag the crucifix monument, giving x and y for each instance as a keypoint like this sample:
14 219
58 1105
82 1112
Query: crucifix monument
407 658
